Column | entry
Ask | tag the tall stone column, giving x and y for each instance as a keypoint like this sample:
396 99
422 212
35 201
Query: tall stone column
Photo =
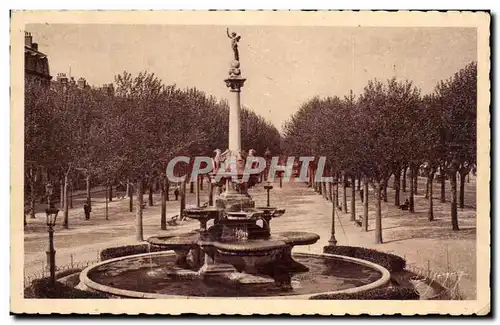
230 199
234 119
234 83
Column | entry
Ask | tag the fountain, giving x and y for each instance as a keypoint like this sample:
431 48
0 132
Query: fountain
237 255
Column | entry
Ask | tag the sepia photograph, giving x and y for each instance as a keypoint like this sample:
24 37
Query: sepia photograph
257 162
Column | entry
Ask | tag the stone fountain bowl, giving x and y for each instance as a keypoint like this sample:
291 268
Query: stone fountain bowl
209 212
147 276
175 241
273 211
246 214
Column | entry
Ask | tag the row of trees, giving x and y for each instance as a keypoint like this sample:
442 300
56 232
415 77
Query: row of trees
391 129
129 136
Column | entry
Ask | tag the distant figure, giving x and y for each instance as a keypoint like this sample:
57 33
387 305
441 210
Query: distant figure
406 205
86 210
176 193
361 194
359 222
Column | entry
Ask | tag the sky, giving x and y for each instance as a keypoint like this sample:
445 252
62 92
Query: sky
284 66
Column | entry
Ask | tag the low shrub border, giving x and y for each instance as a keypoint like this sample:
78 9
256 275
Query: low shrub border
388 293
391 262
41 289
114 252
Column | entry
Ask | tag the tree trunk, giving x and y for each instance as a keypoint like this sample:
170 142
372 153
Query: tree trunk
454 212
337 193
191 187
411 208
110 193
198 185
397 178
365 204
415 181
138 211
131 197
427 188
462 191
32 198
385 184
397 183
210 194
150 194
344 193
404 179
89 200
71 186
127 190
359 183
201 183
353 199
378 214
163 213
167 189
106 201
64 198
430 179
443 185
61 196
183 199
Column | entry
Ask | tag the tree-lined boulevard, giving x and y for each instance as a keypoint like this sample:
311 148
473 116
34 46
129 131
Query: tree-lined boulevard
403 164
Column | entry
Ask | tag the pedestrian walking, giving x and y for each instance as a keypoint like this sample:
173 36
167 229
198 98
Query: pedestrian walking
361 194
176 193
86 210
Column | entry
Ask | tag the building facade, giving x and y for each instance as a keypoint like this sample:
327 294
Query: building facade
36 63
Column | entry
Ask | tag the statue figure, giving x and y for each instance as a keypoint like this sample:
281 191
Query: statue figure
217 160
235 38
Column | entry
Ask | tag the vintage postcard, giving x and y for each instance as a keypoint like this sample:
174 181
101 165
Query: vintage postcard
239 162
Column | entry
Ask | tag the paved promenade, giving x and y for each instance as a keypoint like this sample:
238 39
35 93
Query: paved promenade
424 244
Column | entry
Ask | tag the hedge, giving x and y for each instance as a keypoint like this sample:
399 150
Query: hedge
387 293
391 262
41 289
114 252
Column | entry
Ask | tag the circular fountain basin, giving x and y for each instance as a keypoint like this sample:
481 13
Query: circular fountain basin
147 276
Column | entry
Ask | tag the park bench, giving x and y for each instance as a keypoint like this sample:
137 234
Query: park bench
173 221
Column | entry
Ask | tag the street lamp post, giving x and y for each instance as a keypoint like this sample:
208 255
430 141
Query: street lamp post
333 241
268 188
51 253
